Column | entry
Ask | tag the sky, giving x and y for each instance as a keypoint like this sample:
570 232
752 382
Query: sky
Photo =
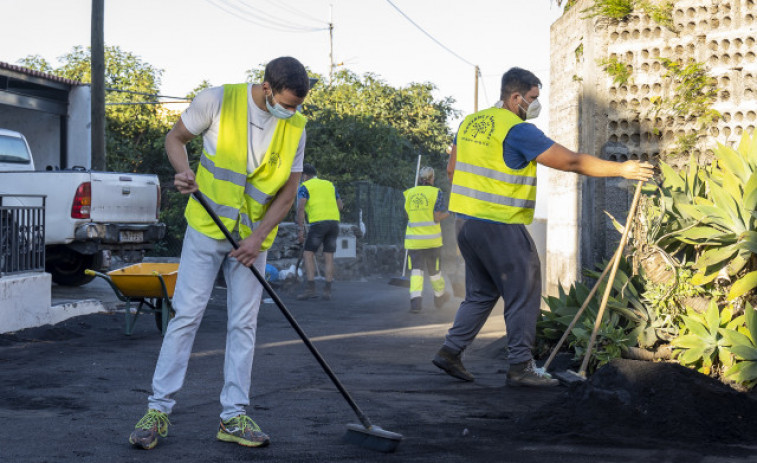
219 40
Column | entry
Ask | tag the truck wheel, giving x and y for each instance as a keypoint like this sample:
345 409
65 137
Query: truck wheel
67 266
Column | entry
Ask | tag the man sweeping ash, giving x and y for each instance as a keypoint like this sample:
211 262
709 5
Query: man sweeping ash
494 194
253 149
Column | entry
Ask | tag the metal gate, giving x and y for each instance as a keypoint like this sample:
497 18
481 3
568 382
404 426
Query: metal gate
22 233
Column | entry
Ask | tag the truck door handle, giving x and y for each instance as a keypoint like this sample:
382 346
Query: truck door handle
125 191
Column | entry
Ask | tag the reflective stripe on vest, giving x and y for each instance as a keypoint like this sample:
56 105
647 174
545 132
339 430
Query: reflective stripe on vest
321 204
422 231
483 186
241 199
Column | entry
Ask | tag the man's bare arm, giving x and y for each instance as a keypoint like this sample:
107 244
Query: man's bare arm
561 158
176 148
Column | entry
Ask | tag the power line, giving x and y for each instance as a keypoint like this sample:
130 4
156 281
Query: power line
145 102
146 94
284 6
265 16
429 35
273 23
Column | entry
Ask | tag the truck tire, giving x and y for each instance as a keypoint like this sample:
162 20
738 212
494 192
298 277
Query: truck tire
67 266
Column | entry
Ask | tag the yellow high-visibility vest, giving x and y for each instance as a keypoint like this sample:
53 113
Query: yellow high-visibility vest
483 185
239 198
422 231
321 204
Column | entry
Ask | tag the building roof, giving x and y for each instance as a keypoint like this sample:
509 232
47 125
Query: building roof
42 75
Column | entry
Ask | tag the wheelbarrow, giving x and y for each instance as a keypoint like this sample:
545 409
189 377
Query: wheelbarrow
148 285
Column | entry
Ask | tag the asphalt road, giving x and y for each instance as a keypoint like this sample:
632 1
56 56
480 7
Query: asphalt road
73 392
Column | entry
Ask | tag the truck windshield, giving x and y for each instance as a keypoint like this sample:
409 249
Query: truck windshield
13 149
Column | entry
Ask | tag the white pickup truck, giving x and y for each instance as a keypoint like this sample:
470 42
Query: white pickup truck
86 212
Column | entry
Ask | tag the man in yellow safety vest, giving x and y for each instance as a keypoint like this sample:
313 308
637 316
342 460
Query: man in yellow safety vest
253 148
493 195
424 205
318 199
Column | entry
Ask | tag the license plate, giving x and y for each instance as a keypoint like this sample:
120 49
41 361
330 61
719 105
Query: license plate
128 236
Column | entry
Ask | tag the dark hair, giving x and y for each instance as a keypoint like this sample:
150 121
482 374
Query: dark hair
287 73
517 80
309 170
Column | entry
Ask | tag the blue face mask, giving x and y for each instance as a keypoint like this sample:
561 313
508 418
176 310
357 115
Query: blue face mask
278 111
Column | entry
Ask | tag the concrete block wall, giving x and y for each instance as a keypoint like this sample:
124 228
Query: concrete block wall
25 301
591 113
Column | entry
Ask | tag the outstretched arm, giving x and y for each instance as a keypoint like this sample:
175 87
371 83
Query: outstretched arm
561 158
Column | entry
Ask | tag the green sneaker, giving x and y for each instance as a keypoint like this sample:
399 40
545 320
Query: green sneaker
153 424
242 430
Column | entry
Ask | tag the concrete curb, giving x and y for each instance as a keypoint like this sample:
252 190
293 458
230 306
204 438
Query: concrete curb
66 310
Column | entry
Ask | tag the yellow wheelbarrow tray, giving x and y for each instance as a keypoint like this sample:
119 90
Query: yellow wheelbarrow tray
149 285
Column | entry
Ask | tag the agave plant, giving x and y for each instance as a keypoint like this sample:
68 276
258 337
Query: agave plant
724 223
612 340
702 344
562 309
741 344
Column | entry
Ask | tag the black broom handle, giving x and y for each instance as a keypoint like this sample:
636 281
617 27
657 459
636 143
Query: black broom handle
363 418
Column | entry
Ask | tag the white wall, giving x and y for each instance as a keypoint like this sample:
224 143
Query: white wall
79 127
42 131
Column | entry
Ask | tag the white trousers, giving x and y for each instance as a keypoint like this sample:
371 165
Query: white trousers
201 257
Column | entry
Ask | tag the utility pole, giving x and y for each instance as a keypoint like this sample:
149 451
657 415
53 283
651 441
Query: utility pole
331 43
97 71
475 90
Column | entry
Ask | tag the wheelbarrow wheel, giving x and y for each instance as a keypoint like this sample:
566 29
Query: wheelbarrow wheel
159 315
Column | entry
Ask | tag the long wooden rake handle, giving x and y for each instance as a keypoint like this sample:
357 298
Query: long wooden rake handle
556 349
611 279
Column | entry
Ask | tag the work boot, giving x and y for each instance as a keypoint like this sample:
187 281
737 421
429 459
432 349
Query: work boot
309 292
243 431
449 361
439 301
526 374
416 304
153 424
327 291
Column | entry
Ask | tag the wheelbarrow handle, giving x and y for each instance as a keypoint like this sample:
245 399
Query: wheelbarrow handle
280 304
106 277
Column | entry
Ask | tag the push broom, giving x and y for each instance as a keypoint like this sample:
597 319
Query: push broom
366 434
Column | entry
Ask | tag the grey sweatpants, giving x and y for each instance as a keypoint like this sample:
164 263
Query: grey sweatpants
500 261
201 257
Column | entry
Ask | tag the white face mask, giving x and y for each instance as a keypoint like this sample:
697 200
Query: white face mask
533 109
277 110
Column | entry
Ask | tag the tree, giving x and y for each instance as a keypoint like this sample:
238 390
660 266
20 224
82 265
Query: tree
134 132
361 128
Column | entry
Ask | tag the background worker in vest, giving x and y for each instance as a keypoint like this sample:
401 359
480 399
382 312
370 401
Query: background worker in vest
493 193
424 205
318 199
253 147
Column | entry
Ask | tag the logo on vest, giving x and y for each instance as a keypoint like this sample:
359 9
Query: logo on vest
275 160
479 125
417 201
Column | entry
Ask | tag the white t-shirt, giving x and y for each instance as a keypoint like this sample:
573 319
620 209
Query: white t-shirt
203 116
